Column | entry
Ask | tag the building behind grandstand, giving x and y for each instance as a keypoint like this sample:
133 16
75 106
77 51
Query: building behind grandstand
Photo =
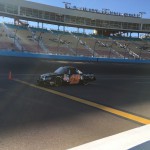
112 36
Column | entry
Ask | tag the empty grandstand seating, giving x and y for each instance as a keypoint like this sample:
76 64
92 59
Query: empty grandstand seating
6 41
25 38
37 40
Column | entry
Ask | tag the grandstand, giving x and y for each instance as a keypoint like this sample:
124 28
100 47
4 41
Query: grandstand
112 36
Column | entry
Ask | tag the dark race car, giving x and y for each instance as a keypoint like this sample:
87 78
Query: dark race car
65 75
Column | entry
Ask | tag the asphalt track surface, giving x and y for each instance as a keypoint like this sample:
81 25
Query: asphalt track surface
33 118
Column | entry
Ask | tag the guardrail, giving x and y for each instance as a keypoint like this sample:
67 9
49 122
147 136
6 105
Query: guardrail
69 58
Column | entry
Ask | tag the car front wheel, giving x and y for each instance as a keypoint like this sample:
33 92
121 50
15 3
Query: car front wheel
58 82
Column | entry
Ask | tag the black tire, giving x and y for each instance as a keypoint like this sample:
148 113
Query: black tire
58 82
39 83
85 83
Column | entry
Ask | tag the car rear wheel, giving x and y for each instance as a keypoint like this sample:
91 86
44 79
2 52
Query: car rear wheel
84 83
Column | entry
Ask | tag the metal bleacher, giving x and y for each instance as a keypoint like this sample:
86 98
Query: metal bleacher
6 40
37 40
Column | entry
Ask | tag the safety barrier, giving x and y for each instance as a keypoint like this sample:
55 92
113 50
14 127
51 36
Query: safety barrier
69 58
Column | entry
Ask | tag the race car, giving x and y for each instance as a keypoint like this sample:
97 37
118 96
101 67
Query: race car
65 75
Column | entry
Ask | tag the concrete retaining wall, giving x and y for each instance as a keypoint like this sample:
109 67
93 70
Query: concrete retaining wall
69 58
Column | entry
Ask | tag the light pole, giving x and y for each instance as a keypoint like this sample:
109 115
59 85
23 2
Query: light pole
109 52
125 52
59 43
142 13
66 4
94 47
105 10
140 53
77 46
15 36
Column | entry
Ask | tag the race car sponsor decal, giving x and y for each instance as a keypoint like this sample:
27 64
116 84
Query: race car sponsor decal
74 79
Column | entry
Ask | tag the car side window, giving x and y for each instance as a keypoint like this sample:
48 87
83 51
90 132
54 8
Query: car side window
72 71
65 71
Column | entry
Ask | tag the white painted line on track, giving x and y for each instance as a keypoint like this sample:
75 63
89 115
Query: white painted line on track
121 141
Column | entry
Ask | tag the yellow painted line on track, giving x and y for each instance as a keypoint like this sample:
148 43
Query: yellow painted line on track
92 104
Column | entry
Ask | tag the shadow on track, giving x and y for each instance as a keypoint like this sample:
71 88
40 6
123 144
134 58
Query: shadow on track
21 105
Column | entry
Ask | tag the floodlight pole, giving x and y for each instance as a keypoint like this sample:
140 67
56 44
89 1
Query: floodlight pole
140 53
77 46
105 10
94 48
59 43
142 13
110 52
66 4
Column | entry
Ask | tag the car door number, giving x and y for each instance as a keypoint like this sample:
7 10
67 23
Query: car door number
74 79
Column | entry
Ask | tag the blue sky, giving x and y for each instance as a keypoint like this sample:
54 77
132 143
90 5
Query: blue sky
123 6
